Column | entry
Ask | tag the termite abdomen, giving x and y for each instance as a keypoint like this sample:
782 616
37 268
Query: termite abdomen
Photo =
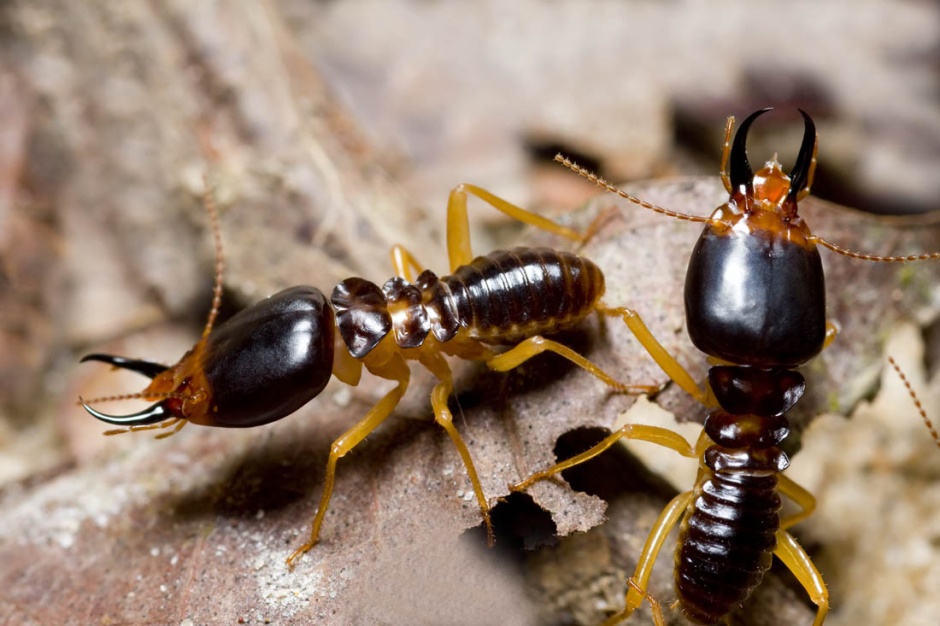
521 292
727 538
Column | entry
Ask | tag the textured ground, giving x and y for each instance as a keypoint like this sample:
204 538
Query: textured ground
330 132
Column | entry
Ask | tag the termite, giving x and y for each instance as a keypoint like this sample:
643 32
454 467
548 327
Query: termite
755 304
276 355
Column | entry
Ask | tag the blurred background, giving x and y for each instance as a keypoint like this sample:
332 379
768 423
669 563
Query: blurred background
333 129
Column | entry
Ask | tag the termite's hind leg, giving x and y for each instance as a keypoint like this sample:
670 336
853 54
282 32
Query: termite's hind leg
458 224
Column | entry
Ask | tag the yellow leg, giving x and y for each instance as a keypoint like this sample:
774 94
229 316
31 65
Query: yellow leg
346 367
653 434
458 225
654 543
798 562
804 499
832 331
405 264
595 226
666 361
442 415
532 346
395 370
176 423
639 582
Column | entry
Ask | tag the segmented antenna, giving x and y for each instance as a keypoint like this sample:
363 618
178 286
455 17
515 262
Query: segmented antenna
927 256
165 395
176 423
209 202
917 402
600 182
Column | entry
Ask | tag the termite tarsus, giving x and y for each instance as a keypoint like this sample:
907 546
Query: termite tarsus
276 355
755 302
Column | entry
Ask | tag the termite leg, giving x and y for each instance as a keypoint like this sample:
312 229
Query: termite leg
532 346
177 426
405 264
458 224
667 519
442 415
666 361
396 369
654 543
595 226
640 432
798 562
346 368
832 331
177 423
803 498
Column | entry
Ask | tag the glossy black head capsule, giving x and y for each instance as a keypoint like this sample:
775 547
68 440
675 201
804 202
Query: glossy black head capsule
755 290
261 365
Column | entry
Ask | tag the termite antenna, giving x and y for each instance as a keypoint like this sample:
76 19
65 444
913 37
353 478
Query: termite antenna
917 402
208 202
600 182
163 395
927 256
156 416
115 398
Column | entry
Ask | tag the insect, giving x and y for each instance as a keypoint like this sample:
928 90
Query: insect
276 355
755 304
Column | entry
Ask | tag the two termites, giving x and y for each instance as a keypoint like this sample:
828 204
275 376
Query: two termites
755 302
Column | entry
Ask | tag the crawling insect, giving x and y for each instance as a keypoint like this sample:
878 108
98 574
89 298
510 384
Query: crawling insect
755 304
276 355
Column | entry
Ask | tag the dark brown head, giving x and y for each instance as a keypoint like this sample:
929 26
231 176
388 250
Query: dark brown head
755 290
260 366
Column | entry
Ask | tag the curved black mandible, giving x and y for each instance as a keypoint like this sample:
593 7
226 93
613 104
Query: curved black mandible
741 173
152 415
800 172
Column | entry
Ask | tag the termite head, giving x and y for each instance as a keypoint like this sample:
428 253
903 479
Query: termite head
755 290
260 366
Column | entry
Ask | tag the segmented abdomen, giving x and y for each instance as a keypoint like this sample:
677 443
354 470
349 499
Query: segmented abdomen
727 538
508 295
